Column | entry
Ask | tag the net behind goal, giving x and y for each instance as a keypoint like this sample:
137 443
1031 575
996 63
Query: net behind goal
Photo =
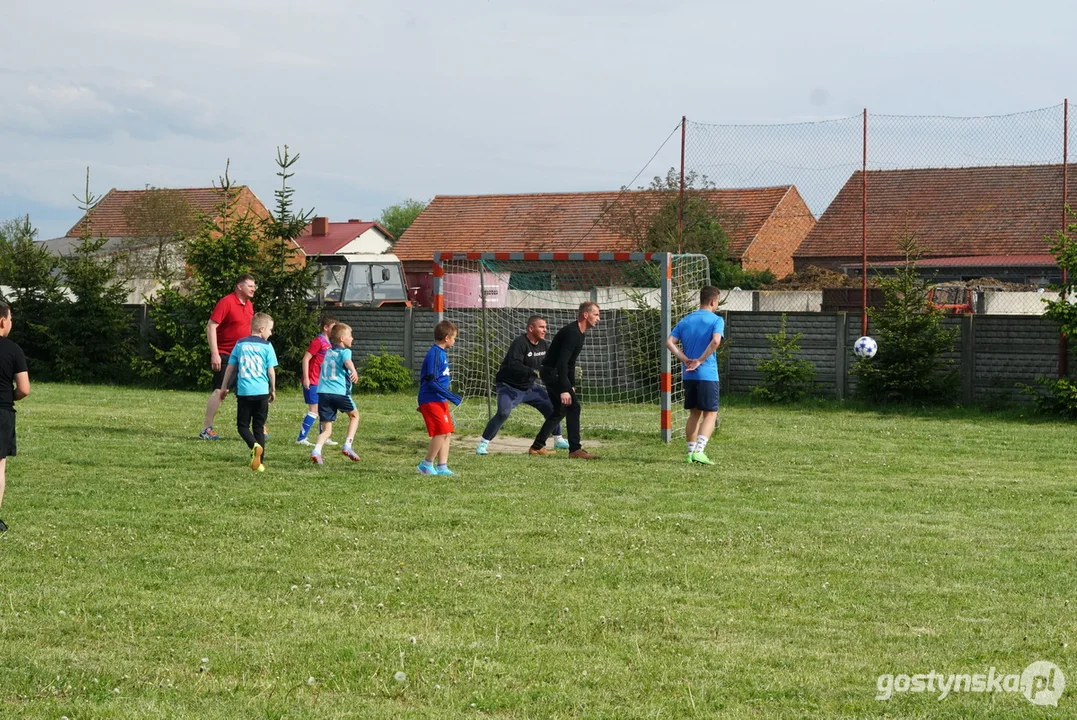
624 376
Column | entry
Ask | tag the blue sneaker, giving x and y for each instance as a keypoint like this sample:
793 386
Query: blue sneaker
481 448
208 434
427 469
443 471
561 444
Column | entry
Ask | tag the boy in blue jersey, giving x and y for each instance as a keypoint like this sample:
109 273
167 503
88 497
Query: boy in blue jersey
335 392
700 334
311 372
434 399
253 362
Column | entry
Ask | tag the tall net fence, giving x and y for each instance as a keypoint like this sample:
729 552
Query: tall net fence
618 372
982 197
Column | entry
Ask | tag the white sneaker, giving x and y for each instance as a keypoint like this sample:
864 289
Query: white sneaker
304 441
331 442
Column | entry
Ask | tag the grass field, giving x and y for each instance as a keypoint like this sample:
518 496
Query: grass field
151 575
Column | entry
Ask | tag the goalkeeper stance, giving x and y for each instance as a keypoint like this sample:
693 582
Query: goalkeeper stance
699 334
559 375
517 382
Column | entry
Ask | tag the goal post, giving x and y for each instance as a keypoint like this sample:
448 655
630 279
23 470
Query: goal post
626 377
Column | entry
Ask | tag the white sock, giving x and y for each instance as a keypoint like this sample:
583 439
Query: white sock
317 449
348 442
487 441
558 437
701 443
691 447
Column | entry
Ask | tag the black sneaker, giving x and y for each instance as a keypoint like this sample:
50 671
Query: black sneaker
3 526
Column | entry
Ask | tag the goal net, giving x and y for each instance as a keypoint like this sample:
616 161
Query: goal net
624 375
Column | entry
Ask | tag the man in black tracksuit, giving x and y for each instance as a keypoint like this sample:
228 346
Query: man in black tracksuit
559 375
517 382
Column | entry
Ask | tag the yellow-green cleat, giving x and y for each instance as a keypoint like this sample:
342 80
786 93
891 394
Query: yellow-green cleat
701 458
688 458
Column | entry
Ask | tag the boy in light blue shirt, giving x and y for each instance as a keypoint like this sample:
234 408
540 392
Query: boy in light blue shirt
335 392
253 361
700 334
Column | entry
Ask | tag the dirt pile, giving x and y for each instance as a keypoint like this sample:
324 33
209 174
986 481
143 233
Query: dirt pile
816 278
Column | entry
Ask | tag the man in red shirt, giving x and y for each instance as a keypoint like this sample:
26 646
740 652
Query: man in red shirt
229 322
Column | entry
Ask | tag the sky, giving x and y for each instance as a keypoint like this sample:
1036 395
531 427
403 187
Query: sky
410 99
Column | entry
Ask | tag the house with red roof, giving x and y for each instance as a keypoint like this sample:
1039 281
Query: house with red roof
769 225
976 222
337 238
110 218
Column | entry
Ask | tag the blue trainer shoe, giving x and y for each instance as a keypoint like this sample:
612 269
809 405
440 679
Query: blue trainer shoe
444 471
427 469
208 434
481 448
561 444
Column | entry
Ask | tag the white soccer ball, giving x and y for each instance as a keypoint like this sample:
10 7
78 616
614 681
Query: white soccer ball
865 347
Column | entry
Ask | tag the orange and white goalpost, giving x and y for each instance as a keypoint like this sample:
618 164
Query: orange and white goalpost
625 377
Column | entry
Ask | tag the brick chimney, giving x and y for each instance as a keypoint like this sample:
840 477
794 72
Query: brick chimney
319 227
354 220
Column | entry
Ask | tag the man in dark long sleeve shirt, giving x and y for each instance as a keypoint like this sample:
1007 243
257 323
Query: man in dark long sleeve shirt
559 375
517 382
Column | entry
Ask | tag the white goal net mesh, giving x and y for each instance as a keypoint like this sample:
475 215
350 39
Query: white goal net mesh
618 371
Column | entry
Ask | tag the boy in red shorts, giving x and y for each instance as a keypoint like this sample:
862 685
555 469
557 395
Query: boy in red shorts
434 399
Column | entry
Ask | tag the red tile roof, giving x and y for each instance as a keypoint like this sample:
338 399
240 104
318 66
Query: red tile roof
108 216
339 235
555 222
1003 261
950 211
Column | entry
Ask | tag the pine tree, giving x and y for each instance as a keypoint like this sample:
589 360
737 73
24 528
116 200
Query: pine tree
910 366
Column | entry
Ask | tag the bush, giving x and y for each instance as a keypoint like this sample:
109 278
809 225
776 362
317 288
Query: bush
69 313
1059 396
95 335
31 273
1054 397
384 373
785 377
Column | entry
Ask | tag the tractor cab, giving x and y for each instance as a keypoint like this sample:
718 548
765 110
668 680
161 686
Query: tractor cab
361 280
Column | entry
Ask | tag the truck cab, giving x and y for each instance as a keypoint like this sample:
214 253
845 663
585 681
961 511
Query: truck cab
362 280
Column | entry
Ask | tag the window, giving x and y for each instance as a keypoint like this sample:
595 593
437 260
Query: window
391 288
358 287
331 280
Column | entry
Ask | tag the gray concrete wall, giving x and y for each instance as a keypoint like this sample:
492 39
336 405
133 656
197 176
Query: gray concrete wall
993 352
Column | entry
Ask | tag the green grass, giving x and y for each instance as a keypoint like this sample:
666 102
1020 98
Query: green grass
827 547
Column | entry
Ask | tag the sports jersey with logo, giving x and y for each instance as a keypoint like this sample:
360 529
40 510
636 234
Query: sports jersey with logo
252 356
334 378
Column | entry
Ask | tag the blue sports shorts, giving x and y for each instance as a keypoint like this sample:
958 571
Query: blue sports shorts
310 395
329 405
701 395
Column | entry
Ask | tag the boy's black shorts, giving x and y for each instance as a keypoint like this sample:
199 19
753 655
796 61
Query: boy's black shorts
7 432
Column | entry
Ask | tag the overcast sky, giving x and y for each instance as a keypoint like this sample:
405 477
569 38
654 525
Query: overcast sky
414 98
